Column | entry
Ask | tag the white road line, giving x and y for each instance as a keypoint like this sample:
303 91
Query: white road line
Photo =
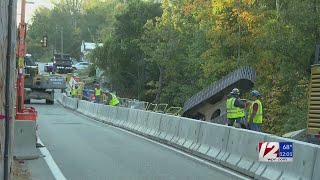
52 165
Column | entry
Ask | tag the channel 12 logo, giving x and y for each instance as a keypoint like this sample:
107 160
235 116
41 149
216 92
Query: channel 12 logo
276 151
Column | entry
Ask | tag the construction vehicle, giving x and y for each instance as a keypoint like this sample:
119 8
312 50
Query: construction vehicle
62 63
48 67
313 123
38 86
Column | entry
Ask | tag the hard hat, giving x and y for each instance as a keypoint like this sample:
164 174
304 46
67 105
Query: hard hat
255 93
235 91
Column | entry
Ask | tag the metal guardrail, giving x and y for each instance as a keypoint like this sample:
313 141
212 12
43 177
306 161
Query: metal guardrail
161 108
152 107
175 111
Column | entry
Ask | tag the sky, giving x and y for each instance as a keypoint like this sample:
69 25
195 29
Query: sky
30 8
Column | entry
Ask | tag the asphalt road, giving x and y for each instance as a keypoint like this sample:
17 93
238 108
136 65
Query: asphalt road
85 149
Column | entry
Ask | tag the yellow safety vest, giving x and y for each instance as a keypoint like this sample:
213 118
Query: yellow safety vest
97 92
114 101
258 117
232 111
74 92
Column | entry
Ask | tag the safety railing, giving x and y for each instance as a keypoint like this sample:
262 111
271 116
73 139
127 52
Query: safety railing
161 108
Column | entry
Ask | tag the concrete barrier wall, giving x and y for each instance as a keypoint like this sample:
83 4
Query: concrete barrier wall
168 129
188 134
122 116
112 114
242 151
25 140
236 149
316 167
105 110
301 168
82 106
212 141
87 108
141 121
132 119
95 113
101 112
58 96
71 103
152 124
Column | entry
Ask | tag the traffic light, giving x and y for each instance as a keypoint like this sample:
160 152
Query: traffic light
317 55
44 41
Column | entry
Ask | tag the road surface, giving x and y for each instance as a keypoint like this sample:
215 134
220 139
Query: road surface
85 149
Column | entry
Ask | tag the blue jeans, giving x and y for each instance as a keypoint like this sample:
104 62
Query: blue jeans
98 99
255 126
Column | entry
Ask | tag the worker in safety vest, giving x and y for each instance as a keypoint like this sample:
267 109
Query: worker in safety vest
255 112
97 93
112 99
235 109
74 91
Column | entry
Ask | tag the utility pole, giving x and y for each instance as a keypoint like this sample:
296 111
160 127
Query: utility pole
8 93
55 40
61 41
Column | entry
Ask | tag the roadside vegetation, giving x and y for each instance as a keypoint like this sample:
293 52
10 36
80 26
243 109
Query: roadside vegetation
166 52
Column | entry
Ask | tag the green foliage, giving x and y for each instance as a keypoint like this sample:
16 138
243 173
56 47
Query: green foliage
167 52
121 57
89 21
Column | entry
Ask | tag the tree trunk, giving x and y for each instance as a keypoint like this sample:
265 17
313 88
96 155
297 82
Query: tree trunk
278 5
157 101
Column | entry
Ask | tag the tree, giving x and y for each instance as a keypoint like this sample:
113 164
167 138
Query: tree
124 57
80 20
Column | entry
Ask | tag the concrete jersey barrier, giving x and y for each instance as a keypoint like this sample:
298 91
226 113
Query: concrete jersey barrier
71 103
25 140
212 141
142 118
316 167
122 116
188 134
168 129
302 167
230 147
242 151
152 124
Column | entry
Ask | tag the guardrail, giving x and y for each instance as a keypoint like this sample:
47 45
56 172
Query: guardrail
230 147
142 105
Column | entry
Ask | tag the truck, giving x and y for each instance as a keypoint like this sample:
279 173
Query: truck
62 63
39 86
48 67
